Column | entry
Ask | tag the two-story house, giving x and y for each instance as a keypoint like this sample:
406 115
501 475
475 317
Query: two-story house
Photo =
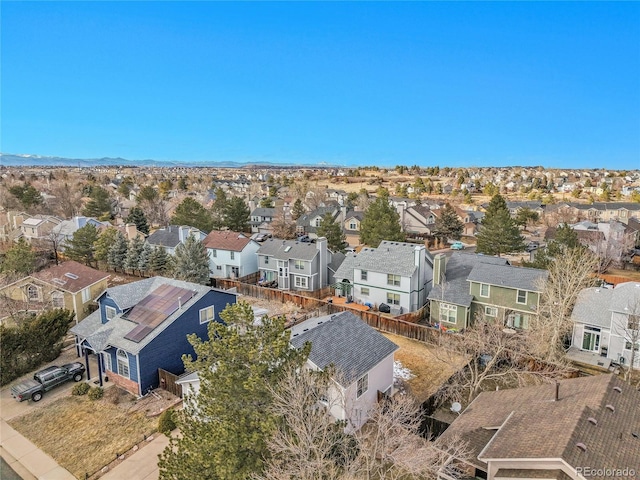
70 285
294 265
309 222
38 227
143 326
231 254
172 236
607 323
261 219
397 274
467 286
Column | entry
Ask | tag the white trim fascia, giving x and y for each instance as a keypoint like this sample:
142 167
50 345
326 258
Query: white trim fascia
494 436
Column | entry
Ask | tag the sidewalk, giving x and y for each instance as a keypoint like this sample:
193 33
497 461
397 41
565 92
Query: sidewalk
141 465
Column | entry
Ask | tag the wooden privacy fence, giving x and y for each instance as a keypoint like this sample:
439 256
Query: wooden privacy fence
168 382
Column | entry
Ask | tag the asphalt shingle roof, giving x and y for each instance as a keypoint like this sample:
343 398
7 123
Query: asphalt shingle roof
592 307
280 250
395 258
226 240
70 276
345 341
167 237
508 276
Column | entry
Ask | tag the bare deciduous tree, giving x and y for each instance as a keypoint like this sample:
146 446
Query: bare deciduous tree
68 199
283 227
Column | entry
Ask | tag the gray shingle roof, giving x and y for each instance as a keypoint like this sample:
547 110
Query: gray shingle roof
345 270
626 295
508 276
395 258
167 237
456 288
592 307
344 341
305 220
278 249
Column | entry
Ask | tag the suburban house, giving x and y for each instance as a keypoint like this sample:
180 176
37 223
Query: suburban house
142 326
294 265
397 274
38 227
64 230
362 357
309 222
607 325
172 236
231 254
586 427
351 227
70 285
418 220
466 286
596 212
261 218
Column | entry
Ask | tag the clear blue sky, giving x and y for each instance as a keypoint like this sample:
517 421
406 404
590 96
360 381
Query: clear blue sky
458 84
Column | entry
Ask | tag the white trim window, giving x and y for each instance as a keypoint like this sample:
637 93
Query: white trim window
57 299
485 290
301 282
106 362
393 298
123 363
448 313
362 385
33 293
233 255
363 274
214 253
491 311
206 315
393 280
86 295
364 291
591 339
353 226
109 312
521 297
298 264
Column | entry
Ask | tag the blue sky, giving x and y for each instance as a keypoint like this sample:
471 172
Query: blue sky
458 84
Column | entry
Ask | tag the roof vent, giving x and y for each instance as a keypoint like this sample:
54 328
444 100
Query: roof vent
593 421
320 322
634 435
295 335
611 407
617 389
581 446
305 329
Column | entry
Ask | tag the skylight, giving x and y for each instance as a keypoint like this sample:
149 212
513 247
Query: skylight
73 276
287 248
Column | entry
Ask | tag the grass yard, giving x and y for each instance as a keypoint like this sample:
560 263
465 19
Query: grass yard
84 435
432 366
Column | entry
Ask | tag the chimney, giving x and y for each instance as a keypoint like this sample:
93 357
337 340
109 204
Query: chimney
343 215
132 231
321 246
557 391
439 268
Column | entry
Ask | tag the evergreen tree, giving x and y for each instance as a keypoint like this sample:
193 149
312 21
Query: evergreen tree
218 208
182 184
225 430
191 213
499 233
104 243
565 241
525 215
380 222
20 258
132 258
117 256
448 224
236 215
332 231
82 246
138 218
144 261
298 209
27 195
159 262
191 261
100 204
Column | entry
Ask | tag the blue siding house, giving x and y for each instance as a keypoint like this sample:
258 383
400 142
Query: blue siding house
143 326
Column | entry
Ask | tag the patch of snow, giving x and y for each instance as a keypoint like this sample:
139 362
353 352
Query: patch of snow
401 372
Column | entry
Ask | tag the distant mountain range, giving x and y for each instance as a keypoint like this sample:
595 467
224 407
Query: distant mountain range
20 160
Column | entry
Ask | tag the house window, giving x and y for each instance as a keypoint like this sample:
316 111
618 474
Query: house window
57 299
106 361
627 346
393 280
266 260
301 282
109 312
363 274
353 226
633 323
233 255
364 291
206 315
591 339
86 295
317 222
218 267
448 313
393 298
522 297
484 290
298 264
363 385
123 363
214 253
33 293
491 311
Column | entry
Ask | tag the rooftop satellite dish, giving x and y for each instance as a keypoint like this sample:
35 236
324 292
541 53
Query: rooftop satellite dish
456 407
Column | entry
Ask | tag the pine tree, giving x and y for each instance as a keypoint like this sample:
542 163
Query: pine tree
448 224
82 246
100 204
191 213
144 261
331 230
117 256
27 194
138 218
499 233
225 430
380 222
159 262
132 258
298 209
104 243
566 240
191 261
218 208
20 258
236 215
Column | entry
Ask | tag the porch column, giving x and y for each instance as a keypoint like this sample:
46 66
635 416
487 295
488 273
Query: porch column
86 361
78 351
100 367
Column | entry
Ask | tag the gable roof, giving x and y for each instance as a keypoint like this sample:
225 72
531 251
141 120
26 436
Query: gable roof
508 276
166 237
592 307
70 276
345 341
394 258
226 240
500 424
288 249
263 212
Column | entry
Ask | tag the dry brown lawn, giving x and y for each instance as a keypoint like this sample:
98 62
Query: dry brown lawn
431 365
84 435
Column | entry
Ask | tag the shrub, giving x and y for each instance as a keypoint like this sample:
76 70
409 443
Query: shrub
95 393
80 388
166 422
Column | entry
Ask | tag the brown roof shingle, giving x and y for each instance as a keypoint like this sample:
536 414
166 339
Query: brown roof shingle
226 240
70 276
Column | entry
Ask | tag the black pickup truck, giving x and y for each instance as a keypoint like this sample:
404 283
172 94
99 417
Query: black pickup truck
45 380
